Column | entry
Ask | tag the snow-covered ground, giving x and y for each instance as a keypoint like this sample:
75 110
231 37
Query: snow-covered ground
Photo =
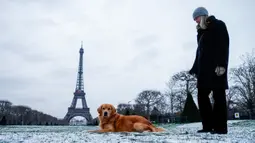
239 132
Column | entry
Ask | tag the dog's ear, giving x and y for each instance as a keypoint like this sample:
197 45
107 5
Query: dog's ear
99 110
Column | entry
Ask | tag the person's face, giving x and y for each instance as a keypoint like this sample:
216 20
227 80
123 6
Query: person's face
198 19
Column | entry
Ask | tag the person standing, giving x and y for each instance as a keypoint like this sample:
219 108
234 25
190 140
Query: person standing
211 69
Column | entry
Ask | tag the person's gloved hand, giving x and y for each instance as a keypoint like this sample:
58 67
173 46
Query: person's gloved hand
220 71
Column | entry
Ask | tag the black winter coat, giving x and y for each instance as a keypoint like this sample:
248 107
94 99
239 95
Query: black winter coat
212 51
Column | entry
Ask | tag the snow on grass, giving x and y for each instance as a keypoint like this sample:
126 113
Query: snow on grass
239 131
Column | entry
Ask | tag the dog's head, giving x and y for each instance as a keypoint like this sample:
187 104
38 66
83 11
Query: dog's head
106 110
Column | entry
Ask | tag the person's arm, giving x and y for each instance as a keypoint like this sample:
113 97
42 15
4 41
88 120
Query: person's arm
222 45
194 69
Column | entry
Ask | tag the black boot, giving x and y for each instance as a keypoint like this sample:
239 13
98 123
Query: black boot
224 131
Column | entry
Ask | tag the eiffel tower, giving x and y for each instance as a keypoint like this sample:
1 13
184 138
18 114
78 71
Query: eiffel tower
79 94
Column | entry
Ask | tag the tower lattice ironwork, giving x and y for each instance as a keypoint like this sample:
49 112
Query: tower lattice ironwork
79 93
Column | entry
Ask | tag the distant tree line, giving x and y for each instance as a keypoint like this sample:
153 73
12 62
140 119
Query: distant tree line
23 115
176 103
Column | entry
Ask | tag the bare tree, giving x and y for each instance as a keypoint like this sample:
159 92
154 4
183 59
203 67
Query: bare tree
170 96
244 84
5 106
180 101
162 106
179 86
139 109
122 108
185 82
231 96
149 98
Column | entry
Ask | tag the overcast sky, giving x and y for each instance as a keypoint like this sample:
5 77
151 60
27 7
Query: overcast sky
129 46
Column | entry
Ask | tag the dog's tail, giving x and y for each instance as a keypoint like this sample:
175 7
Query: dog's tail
159 130
156 129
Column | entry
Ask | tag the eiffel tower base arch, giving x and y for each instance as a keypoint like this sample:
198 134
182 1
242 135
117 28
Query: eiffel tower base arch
83 112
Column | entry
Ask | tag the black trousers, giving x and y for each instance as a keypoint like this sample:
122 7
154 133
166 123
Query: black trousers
213 117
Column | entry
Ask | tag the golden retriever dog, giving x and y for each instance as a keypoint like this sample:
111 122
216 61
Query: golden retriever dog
111 121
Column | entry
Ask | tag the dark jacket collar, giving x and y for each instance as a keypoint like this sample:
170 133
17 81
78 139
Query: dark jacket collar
210 19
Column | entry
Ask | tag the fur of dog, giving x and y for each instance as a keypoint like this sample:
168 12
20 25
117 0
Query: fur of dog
111 121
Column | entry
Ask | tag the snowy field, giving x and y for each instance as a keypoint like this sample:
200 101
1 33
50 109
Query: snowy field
239 132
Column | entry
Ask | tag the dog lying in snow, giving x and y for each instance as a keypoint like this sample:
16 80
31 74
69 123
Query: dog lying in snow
111 121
